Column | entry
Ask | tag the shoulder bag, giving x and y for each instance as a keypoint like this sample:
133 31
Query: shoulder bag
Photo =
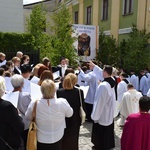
31 139
82 112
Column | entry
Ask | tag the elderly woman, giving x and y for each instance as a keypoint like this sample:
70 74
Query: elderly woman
24 100
69 92
11 124
50 117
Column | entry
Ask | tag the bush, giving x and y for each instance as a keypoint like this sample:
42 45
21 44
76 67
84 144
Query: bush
16 42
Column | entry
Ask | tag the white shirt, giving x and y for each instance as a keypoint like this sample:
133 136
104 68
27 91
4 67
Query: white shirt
148 93
18 69
35 80
24 100
3 63
90 79
144 85
130 102
50 120
121 89
63 69
148 79
99 73
104 104
135 81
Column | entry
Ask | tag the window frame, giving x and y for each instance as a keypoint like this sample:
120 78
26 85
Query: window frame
127 7
89 15
105 9
76 17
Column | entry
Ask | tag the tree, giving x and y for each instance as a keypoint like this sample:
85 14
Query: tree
108 50
136 53
37 26
62 40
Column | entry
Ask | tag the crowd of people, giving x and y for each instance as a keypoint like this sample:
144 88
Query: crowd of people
110 94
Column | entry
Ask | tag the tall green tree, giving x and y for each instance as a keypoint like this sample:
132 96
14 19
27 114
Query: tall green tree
37 26
135 50
108 50
62 40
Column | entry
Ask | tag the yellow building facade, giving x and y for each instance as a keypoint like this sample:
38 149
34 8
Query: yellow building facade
115 17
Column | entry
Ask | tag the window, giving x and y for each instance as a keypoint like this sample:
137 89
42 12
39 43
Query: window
76 17
89 15
105 10
127 7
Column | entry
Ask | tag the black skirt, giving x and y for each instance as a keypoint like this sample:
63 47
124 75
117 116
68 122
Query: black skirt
70 138
103 136
53 146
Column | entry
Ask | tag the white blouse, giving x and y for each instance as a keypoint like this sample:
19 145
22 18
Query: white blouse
50 119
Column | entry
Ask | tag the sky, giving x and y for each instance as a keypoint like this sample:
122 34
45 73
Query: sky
30 1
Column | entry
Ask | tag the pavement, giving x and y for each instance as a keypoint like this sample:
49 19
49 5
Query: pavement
85 136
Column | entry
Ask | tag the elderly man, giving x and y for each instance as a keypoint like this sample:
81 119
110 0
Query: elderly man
19 54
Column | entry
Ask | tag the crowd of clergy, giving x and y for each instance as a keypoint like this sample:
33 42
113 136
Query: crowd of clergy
59 91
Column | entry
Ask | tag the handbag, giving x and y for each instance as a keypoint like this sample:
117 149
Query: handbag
82 112
31 139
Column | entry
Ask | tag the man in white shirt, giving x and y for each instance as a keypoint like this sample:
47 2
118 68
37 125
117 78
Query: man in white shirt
90 80
97 70
143 83
129 104
63 66
122 86
134 80
103 113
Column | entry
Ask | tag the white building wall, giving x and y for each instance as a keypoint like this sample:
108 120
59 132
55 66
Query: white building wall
11 16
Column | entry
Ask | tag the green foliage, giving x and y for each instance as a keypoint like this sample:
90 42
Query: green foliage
62 41
16 41
37 21
135 52
108 50
36 27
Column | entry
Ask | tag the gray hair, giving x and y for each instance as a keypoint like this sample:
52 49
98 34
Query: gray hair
17 81
19 53
2 86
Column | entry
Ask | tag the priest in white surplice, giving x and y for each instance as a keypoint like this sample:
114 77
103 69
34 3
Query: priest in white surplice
122 86
129 104
103 112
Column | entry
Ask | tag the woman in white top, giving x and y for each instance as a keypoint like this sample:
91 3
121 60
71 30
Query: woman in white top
24 100
50 117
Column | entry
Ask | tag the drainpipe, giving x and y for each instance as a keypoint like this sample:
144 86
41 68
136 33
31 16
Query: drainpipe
145 15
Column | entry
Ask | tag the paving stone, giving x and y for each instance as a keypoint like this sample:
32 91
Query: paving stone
85 136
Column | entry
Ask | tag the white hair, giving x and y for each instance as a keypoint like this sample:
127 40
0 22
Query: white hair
2 86
19 53
17 81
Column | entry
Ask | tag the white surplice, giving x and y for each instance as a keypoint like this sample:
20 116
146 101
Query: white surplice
130 102
144 85
135 81
104 104
121 89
